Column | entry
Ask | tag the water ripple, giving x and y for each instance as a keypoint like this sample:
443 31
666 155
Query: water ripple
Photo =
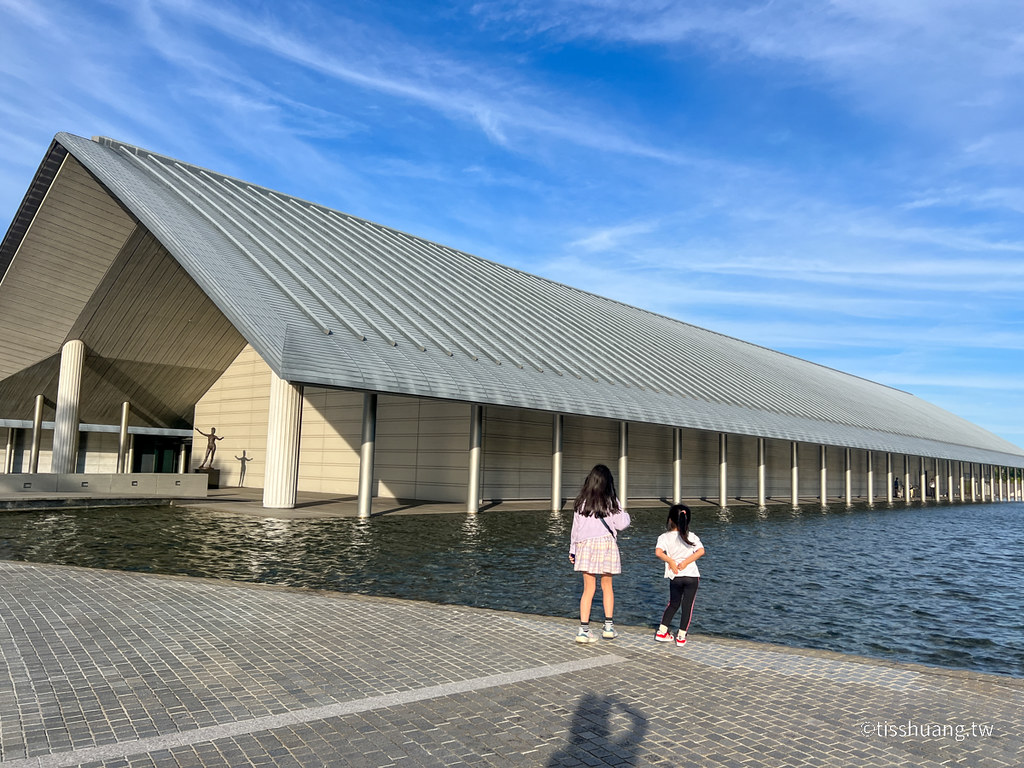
939 585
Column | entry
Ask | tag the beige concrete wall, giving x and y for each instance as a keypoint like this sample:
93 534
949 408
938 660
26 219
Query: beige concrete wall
650 461
700 464
237 406
585 442
421 450
517 454
331 435
23 450
97 452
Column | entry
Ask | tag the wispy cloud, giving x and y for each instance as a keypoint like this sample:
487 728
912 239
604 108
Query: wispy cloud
836 180
496 99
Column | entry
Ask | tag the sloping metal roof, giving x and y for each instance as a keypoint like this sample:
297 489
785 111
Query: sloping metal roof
330 299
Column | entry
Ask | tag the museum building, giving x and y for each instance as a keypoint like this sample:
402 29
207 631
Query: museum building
143 298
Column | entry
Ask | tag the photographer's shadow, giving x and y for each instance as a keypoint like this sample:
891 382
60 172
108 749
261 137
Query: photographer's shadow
593 732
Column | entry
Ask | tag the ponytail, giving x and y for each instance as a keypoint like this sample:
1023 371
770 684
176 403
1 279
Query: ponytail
679 518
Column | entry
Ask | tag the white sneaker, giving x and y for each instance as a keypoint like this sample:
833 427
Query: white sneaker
609 633
585 636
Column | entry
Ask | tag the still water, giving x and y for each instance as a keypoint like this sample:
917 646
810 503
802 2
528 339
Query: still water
937 585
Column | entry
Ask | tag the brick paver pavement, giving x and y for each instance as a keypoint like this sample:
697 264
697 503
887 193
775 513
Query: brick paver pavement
110 669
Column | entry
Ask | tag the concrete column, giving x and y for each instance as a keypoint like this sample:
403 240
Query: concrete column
557 422
974 485
624 463
65 423
9 453
284 432
949 480
677 466
871 479
761 494
991 483
888 478
938 479
1002 492
182 454
906 479
794 473
723 470
848 474
823 469
122 442
924 482
366 454
960 466
130 465
476 441
37 434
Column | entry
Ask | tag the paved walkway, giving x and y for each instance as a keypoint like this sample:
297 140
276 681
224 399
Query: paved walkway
110 669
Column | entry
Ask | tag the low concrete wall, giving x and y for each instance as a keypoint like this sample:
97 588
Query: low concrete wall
165 485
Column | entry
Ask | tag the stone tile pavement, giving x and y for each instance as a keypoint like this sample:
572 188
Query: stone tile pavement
116 670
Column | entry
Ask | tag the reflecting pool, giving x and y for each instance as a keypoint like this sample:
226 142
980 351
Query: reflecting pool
936 585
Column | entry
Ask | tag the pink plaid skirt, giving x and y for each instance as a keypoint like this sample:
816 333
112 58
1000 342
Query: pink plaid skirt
599 555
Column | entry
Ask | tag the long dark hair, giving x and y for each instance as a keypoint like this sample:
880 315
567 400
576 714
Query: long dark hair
597 497
679 518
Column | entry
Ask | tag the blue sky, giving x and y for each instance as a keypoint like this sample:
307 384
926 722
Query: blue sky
841 181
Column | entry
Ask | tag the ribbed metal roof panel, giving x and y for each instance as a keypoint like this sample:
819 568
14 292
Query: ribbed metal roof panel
330 299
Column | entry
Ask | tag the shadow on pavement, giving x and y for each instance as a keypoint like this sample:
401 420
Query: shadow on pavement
602 727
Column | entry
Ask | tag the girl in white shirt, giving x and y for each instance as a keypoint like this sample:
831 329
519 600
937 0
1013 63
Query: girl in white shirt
680 549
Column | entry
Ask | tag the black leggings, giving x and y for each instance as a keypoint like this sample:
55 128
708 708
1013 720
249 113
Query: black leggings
681 591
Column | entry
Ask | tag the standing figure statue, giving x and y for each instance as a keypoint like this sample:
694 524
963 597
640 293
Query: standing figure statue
245 460
211 446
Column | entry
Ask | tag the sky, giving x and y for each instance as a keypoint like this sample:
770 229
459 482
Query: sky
841 181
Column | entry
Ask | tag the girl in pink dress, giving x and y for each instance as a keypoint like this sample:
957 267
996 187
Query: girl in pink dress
593 547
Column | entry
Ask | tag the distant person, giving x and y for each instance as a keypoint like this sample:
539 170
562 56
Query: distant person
680 549
593 546
245 460
211 445
897 488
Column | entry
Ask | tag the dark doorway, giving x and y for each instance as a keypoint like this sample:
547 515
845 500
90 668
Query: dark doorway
156 454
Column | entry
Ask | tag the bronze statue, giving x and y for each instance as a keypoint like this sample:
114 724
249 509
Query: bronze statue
211 445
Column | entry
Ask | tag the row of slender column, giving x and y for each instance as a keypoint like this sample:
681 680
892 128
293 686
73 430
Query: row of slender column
557 459
284 434
64 453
